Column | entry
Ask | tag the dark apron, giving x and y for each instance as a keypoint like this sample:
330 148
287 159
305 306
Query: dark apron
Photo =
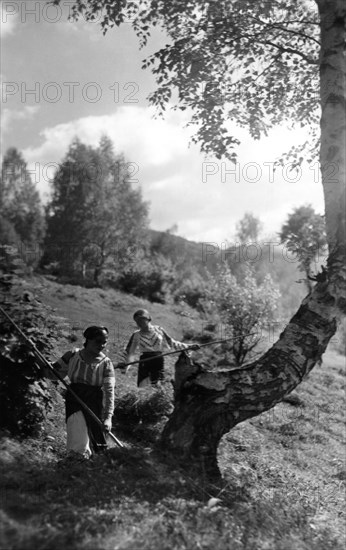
92 396
152 369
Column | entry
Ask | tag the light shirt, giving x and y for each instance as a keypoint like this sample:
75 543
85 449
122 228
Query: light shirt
74 369
154 339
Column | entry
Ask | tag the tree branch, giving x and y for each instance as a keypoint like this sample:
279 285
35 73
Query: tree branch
283 49
284 29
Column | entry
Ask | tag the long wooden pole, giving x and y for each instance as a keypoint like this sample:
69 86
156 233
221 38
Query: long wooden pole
124 365
57 375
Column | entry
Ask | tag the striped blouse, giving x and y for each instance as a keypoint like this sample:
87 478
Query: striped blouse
155 339
75 370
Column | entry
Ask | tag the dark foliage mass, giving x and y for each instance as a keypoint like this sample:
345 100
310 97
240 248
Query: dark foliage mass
97 219
24 394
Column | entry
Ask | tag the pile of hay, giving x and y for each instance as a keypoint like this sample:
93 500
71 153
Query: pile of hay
148 405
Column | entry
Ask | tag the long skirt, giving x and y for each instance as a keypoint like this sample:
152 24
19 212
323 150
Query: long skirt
84 435
151 371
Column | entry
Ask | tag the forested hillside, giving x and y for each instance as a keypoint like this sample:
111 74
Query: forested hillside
267 256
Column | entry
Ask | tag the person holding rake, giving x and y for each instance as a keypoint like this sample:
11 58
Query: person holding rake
150 340
91 376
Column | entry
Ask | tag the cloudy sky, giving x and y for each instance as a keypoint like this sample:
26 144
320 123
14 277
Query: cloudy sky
64 79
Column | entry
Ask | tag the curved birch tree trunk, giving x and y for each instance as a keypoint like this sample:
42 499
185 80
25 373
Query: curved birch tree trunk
208 403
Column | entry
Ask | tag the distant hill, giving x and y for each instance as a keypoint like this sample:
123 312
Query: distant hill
178 249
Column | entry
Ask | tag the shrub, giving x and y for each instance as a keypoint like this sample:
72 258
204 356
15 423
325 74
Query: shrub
24 397
191 288
24 394
148 278
245 308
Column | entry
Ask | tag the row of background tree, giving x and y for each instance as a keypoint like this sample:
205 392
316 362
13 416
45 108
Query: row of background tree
95 231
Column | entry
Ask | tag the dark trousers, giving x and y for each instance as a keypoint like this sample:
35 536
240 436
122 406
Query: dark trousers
152 368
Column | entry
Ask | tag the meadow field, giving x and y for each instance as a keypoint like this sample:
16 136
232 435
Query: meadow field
283 472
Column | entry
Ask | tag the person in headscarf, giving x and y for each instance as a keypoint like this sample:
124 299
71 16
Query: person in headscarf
91 376
150 340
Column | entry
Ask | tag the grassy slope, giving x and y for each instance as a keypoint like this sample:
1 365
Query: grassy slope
76 307
284 471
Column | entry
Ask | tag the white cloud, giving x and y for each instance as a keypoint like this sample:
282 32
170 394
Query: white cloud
205 198
133 131
9 116
8 19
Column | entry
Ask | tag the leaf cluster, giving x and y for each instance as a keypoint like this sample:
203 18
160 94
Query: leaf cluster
96 216
244 306
149 276
22 218
304 234
241 63
248 228
24 394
